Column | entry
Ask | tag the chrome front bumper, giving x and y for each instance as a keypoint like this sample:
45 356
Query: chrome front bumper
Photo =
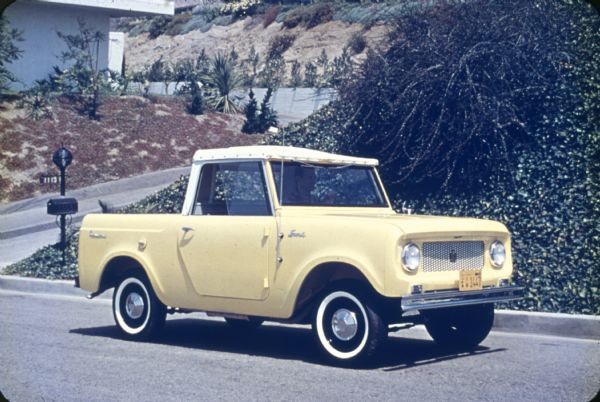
453 298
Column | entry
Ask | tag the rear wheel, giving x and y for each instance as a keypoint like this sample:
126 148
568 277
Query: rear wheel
136 309
348 327
460 327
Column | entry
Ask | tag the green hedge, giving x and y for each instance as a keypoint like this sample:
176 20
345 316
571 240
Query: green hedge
47 261
547 189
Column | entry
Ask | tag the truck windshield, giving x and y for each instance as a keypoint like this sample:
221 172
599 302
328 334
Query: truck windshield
327 185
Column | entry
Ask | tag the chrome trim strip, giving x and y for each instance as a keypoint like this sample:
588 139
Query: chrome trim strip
95 235
453 298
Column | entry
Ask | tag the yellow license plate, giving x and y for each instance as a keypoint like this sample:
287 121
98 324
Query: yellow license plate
469 280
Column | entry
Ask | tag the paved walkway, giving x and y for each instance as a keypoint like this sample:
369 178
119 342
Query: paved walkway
25 226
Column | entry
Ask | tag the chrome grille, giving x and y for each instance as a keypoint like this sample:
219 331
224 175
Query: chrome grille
452 256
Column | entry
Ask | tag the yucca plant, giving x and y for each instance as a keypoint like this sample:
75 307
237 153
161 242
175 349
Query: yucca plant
222 78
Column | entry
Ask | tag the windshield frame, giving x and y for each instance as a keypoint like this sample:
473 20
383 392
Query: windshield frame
372 172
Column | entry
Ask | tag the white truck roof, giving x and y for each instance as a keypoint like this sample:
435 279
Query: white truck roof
281 153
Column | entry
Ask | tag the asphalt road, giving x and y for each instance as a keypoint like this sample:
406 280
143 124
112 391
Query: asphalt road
65 348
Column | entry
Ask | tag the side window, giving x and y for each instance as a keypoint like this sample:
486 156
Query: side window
236 188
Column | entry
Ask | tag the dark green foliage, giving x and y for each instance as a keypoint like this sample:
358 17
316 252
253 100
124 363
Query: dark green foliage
273 74
83 77
9 51
221 79
37 99
267 117
310 16
318 14
522 74
251 125
250 67
357 42
279 44
296 77
452 108
156 71
158 26
47 261
166 201
196 105
202 63
176 24
184 70
310 74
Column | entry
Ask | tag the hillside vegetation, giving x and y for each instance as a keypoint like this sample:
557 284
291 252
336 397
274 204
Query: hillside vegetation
486 109
133 135
495 119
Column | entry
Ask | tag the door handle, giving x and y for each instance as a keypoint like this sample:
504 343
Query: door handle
95 235
187 229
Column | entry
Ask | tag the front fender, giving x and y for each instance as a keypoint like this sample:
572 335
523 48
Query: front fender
374 275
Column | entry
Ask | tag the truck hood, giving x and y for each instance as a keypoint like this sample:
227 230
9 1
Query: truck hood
431 225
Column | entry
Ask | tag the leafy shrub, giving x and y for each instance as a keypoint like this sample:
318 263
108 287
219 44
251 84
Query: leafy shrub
47 261
37 100
318 14
241 8
310 74
381 12
357 42
223 20
157 27
9 52
267 117
196 23
222 79
310 16
177 23
208 11
292 19
273 74
296 77
545 188
279 44
81 80
270 15
251 124
166 201
156 71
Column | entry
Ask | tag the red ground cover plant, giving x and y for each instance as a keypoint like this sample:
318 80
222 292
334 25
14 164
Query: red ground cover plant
133 135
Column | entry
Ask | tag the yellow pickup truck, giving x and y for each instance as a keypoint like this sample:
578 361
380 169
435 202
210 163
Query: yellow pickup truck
299 236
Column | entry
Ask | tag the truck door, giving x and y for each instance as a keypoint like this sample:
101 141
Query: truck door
227 244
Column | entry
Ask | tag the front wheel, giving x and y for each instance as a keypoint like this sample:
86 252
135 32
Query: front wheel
348 327
460 327
136 309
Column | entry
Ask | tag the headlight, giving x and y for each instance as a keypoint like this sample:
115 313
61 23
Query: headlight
411 256
497 254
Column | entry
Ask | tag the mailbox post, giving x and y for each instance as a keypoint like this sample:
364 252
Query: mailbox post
62 158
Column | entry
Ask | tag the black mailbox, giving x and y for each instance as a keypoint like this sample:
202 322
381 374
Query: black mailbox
60 206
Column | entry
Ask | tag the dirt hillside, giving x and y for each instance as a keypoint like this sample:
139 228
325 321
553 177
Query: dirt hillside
134 135
332 36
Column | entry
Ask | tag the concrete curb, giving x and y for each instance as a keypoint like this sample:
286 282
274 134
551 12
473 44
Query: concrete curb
45 286
556 324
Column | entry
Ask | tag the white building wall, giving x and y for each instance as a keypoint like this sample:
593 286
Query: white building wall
41 46
116 49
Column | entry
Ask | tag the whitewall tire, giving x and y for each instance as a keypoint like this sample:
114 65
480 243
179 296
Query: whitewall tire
137 311
347 326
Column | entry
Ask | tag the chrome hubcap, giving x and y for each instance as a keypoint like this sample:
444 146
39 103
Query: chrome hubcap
344 324
134 305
